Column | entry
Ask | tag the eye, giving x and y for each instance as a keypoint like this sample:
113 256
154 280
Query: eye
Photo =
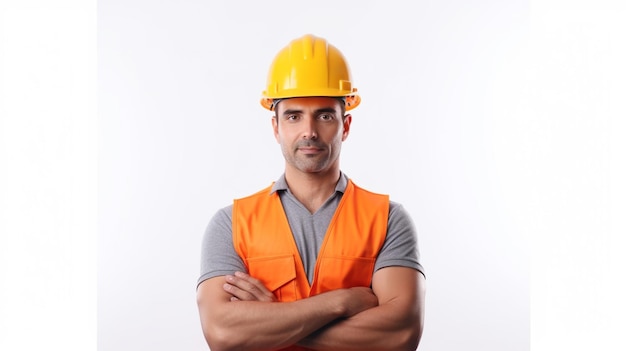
326 117
291 117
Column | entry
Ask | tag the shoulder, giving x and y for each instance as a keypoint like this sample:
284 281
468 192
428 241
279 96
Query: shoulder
261 192
221 218
397 212
363 196
366 191
396 208
399 215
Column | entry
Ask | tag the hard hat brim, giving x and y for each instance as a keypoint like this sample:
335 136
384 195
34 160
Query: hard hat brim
352 101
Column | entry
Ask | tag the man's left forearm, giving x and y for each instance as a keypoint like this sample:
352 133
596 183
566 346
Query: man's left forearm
386 327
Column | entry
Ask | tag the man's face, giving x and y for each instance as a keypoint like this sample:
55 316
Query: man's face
310 131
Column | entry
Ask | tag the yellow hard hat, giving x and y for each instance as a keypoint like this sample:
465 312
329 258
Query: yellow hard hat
309 66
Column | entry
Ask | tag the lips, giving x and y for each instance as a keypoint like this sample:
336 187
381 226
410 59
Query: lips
309 150
309 147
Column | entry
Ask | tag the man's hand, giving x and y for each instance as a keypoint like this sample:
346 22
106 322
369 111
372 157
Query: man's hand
244 287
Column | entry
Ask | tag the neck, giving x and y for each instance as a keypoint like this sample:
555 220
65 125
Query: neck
312 189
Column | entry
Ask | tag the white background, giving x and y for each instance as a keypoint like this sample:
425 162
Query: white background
498 126
182 133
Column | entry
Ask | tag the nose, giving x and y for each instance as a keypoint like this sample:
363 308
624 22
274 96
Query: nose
310 128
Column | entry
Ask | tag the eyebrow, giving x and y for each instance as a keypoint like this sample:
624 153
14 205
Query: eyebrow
319 110
326 109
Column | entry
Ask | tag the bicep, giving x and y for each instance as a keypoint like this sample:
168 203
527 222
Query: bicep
404 289
211 291
212 299
210 295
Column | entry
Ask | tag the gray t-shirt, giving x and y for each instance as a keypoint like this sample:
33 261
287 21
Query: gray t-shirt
218 256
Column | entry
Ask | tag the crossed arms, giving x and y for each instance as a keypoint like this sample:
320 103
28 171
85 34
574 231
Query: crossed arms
238 313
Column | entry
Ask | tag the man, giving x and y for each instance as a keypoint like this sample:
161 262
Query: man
313 261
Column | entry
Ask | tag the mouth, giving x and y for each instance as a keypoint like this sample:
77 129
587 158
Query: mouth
307 150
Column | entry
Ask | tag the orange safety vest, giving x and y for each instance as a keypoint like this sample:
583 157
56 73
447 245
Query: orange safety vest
263 239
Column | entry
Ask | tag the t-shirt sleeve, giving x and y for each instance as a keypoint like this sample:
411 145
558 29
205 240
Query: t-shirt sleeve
400 247
218 256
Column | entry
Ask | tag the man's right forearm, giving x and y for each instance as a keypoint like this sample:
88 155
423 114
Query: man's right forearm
254 325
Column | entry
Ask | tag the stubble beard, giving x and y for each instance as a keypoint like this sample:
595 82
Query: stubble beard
308 163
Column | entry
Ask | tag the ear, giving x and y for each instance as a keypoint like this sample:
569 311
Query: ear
347 120
275 127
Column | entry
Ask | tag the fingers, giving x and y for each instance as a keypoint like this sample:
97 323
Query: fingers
244 287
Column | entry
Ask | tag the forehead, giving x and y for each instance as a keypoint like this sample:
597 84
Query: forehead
309 103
